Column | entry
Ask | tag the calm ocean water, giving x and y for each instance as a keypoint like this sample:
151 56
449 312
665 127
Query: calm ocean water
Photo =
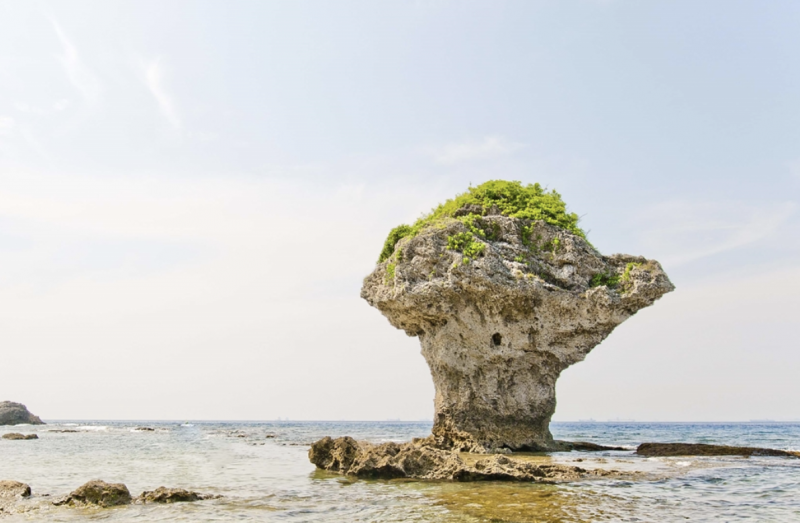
270 479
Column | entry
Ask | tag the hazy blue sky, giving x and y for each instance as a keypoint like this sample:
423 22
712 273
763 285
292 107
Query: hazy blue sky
191 193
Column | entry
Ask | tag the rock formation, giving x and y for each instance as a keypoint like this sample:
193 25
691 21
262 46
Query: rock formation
98 493
502 305
17 414
420 460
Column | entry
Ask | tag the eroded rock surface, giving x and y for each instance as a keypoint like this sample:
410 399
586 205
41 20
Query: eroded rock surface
10 493
419 460
171 495
97 493
17 414
14 489
498 330
702 449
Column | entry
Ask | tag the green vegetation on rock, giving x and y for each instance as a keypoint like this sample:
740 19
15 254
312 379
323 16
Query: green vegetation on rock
512 199
610 280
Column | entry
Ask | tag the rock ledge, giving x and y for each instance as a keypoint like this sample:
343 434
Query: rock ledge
419 460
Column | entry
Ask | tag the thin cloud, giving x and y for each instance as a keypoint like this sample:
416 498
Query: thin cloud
6 125
694 231
794 168
489 147
78 74
153 76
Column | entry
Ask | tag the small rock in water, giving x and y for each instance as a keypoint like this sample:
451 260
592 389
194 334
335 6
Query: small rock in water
171 495
97 492
13 489
144 429
17 436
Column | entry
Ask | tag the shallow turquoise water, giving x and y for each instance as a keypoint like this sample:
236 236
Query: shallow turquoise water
270 479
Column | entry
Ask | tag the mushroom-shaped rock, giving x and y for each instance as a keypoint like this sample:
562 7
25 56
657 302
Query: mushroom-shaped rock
504 293
99 493
12 413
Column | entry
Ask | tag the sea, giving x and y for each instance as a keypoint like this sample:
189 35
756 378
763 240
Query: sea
262 473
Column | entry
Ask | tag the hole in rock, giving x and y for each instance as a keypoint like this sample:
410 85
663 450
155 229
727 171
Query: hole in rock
496 339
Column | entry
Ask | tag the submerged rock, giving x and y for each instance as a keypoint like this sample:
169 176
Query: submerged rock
701 449
14 489
18 436
171 495
98 493
17 414
11 492
501 306
419 460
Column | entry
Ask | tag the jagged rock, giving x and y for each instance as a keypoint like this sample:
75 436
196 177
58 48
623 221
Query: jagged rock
18 436
171 495
498 330
14 489
702 449
420 461
17 414
99 493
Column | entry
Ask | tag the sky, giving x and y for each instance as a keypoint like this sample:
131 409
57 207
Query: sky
191 193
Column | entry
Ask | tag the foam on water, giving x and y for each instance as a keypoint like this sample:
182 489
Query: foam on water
270 479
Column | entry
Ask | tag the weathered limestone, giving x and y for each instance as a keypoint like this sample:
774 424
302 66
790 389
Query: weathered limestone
419 460
17 414
498 330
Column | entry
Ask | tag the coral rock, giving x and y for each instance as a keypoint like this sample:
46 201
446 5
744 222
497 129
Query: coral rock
497 329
